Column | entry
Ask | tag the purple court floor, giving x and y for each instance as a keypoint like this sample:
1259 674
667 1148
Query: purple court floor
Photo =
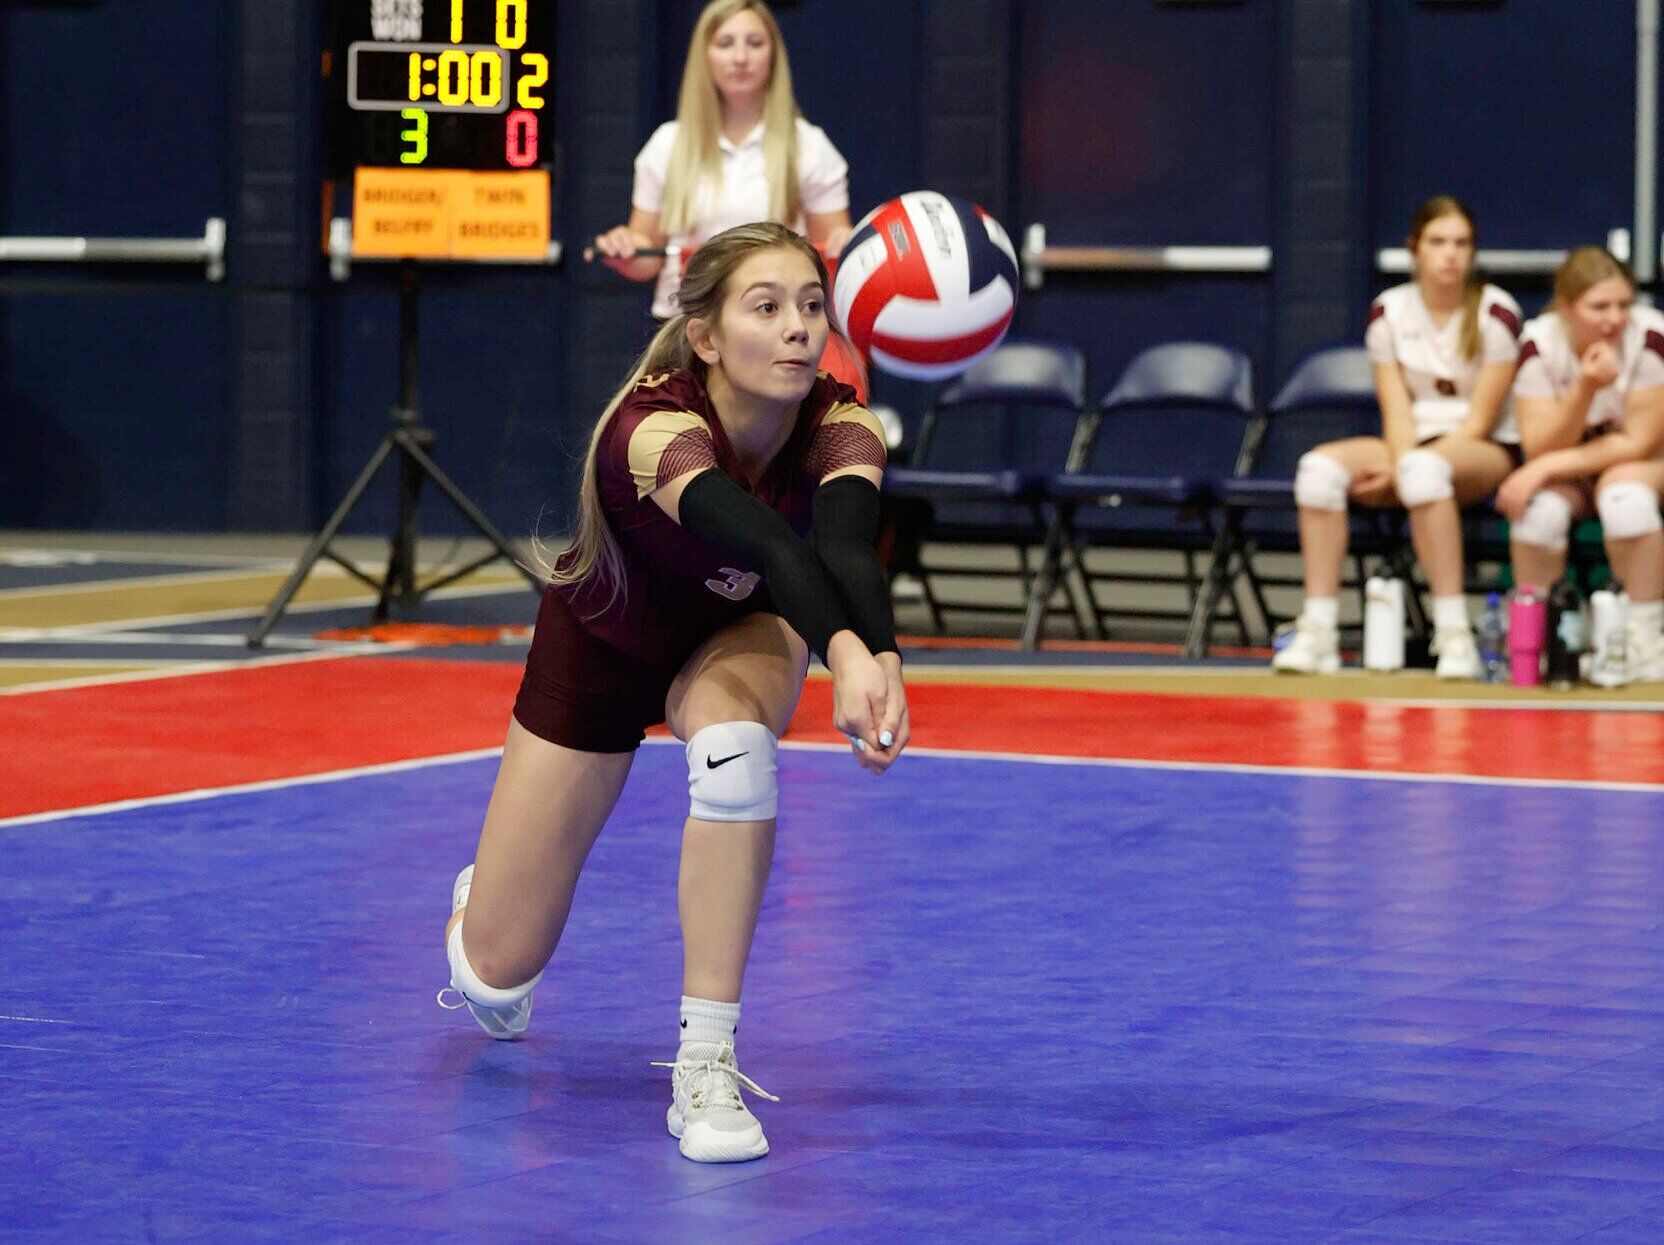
1001 1001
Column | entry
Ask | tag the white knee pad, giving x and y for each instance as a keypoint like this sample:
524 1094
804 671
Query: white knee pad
1547 521
1423 478
1320 483
731 772
468 983
1628 509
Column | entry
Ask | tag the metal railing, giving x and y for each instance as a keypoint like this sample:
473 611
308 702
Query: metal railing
1509 263
1038 258
1396 259
208 250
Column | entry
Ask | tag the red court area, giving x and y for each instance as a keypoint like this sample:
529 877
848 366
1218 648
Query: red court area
75 747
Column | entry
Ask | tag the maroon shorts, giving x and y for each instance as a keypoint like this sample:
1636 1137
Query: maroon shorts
581 693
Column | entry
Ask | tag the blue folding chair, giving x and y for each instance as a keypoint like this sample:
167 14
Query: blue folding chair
1177 417
984 449
1329 395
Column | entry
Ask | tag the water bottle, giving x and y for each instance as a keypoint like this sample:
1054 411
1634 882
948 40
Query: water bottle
1527 628
1492 633
1383 624
1565 636
1607 610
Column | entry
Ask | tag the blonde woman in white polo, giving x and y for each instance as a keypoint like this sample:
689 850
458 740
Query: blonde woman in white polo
738 152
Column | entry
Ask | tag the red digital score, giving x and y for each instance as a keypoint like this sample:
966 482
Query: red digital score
520 149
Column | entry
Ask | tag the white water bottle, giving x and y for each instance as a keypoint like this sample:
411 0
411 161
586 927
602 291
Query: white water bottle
1383 624
1607 609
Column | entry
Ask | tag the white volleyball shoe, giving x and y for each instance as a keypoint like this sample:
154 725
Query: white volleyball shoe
503 1023
1313 648
708 1116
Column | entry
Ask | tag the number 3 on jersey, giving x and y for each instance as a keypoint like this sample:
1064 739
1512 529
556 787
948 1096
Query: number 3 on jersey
738 585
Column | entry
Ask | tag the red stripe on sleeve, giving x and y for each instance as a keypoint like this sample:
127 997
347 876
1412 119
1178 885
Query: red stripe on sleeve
1507 317
1376 311
687 451
841 445
1654 342
1528 351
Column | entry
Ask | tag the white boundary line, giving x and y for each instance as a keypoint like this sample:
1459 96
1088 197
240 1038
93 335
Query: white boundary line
1551 706
1035 758
1301 771
184 668
923 672
97 663
71 631
154 639
27 558
91 587
209 793
1045 667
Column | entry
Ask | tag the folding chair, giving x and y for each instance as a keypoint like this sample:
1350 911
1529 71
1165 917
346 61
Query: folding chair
1176 419
1329 395
983 451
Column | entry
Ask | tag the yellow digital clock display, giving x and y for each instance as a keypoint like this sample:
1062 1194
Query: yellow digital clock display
390 77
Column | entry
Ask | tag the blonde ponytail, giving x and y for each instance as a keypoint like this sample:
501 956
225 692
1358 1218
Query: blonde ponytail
594 551
1470 343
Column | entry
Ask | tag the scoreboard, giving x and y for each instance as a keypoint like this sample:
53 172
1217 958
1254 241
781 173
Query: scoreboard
440 84
440 114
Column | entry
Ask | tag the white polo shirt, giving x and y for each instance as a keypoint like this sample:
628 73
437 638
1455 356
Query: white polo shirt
1549 367
742 195
1439 379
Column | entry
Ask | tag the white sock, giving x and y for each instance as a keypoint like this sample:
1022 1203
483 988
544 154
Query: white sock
1325 610
1647 615
1450 611
706 1026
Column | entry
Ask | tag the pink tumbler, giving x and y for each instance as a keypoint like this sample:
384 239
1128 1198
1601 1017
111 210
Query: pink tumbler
1527 632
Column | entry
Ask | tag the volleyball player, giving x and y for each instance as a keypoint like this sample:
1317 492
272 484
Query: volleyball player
1590 397
1443 346
728 508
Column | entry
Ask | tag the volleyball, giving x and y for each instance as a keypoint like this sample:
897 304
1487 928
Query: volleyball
926 286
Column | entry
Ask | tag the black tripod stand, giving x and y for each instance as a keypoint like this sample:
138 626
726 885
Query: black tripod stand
411 440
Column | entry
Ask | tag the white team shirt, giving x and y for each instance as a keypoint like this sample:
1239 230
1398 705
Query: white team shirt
742 195
1439 380
1549 367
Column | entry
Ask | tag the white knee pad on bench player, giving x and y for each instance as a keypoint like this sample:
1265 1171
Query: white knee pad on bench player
1320 483
467 982
1628 509
1423 478
1547 521
731 772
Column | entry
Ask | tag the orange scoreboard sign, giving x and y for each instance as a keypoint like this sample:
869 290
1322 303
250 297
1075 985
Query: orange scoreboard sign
450 214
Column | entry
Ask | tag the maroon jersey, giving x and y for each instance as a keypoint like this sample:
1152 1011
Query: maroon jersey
679 589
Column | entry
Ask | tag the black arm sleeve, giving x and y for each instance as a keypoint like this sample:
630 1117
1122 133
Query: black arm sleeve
716 509
845 525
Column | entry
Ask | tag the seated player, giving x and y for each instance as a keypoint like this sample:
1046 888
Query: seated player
1443 347
1590 397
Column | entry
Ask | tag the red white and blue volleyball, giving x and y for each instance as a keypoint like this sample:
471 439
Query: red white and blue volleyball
927 285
